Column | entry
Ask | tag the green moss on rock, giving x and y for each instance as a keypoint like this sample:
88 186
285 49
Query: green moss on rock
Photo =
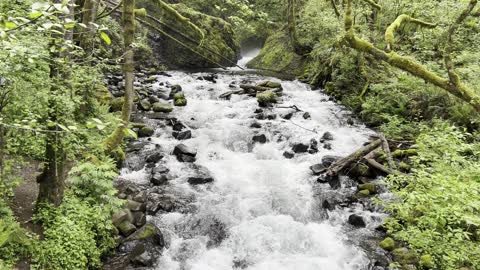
146 132
116 104
372 188
161 107
181 102
278 55
266 97
388 244
405 256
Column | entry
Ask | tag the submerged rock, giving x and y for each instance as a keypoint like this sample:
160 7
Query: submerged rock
288 154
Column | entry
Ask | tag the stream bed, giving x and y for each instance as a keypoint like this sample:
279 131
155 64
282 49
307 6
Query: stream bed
248 198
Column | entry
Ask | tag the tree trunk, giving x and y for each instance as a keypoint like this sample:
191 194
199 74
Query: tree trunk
89 14
52 179
128 18
292 29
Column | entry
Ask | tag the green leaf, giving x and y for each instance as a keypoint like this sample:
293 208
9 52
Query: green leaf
97 120
10 25
130 133
36 15
101 127
105 38
62 127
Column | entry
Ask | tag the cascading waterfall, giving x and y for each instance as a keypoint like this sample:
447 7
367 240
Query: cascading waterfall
262 211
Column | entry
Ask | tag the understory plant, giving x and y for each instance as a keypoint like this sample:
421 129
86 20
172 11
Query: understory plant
437 210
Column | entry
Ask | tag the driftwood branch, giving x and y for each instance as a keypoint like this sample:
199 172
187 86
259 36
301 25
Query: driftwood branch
370 158
338 166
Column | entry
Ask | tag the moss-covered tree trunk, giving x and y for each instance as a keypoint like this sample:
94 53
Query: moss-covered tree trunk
128 17
292 28
451 84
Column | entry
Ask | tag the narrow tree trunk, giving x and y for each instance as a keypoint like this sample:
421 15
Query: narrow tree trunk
52 179
292 28
89 14
128 17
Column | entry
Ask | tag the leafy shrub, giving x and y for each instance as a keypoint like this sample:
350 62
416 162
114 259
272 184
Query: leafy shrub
76 234
438 212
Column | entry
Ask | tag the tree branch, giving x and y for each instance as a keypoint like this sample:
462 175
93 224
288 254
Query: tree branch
402 19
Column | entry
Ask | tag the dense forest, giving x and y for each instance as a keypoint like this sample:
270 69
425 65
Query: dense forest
80 99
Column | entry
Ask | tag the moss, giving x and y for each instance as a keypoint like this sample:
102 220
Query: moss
146 232
181 102
266 97
388 244
179 96
146 132
160 107
137 125
363 193
278 55
426 261
116 104
372 188
270 84
145 105
214 37
405 256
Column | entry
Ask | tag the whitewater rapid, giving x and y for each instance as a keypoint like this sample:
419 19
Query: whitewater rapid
262 211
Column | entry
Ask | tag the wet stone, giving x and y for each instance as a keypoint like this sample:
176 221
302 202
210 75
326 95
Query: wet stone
357 221
255 125
318 169
329 160
182 135
300 148
184 153
259 138
288 154
154 158
306 115
327 136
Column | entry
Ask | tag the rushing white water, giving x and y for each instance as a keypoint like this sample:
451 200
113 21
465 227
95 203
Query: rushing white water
247 56
261 206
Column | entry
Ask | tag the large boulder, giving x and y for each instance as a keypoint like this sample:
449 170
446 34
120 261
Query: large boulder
215 34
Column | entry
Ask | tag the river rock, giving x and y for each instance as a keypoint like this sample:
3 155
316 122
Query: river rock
329 160
157 202
143 259
178 126
318 169
288 115
146 132
126 228
210 77
182 135
313 146
306 115
135 206
139 219
256 125
300 148
357 221
184 153
159 179
259 138
288 154
327 136
154 158
162 107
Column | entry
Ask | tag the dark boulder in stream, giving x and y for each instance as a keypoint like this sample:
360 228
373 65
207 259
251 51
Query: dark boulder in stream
184 153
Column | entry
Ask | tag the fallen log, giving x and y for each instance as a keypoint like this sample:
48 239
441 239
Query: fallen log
386 149
336 168
370 158
254 89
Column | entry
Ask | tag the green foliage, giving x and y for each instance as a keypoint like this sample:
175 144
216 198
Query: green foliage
76 235
437 211
92 181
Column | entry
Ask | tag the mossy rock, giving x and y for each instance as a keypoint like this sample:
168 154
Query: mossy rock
427 261
266 97
116 104
405 256
180 102
218 36
372 188
162 107
362 194
179 96
151 79
144 233
278 55
388 244
270 84
146 132
145 105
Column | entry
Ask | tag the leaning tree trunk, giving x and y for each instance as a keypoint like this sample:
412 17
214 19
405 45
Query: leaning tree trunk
451 84
128 17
